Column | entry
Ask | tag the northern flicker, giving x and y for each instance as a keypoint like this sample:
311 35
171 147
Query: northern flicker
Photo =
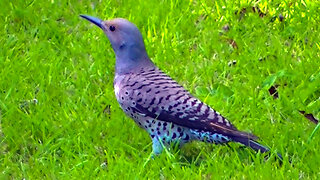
157 103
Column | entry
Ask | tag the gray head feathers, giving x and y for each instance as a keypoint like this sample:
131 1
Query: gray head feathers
127 43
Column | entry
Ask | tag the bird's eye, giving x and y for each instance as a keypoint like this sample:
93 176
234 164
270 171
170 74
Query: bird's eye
112 28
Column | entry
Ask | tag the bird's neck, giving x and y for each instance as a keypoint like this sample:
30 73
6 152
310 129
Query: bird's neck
127 65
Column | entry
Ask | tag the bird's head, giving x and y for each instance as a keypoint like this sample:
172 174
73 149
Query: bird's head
124 36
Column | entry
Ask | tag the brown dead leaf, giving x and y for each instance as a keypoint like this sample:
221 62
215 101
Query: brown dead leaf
273 91
310 117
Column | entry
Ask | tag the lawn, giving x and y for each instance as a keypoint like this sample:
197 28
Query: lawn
59 118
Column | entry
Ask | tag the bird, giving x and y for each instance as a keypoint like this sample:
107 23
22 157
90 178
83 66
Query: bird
156 102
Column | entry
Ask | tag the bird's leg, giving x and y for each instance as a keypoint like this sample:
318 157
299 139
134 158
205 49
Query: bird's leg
157 145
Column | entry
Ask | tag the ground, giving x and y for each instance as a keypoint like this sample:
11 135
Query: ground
60 119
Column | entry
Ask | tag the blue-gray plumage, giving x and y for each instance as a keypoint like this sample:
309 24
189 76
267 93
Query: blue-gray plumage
158 104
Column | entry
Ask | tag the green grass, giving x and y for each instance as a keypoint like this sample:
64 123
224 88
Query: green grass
50 54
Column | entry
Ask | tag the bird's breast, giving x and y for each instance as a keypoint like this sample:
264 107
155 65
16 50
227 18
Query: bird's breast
116 89
117 85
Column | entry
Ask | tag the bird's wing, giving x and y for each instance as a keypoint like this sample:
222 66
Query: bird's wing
157 96
203 125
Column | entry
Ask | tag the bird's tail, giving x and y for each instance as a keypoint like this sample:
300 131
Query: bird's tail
254 145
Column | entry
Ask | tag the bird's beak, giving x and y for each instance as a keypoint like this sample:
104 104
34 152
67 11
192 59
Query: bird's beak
94 20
